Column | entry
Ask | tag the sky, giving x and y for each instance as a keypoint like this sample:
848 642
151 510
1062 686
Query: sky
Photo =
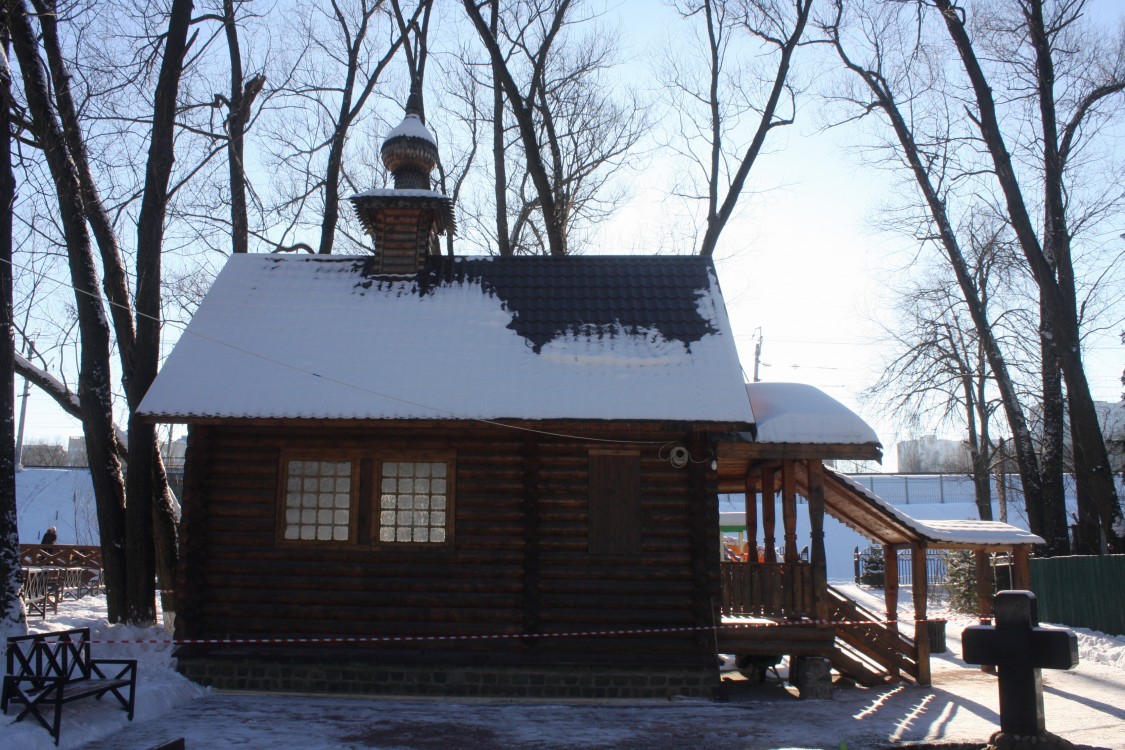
802 266
805 268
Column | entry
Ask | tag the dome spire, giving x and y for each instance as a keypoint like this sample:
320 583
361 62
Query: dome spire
410 151
404 221
414 103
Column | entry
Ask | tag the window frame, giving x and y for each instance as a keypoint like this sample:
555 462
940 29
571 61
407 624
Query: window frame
446 457
288 457
365 496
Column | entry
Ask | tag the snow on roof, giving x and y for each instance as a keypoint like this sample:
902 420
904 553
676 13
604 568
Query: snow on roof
799 413
946 532
412 127
976 532
591 337
403 193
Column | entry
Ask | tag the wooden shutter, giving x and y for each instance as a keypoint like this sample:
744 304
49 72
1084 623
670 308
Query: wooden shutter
615 503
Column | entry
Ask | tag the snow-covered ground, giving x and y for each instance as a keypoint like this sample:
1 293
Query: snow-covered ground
1085 705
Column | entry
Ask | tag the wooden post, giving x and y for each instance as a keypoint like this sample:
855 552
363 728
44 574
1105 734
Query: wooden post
921 627
890 582
816 541
890 595
984 595
1021 567
768 514
984 586
789 510
751 518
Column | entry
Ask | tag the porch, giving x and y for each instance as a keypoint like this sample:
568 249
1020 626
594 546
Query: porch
777 602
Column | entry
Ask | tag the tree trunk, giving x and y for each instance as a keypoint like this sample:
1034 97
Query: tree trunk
1053 511
165 522
1091 459
521 110
982 464
241 100
1002 481
717 219
115 281
503 240
95 393
150 240
13 618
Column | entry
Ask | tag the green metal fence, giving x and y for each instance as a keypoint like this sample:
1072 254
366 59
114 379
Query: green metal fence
1081 591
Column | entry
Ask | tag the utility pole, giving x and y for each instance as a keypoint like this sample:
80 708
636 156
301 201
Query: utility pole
757 352
23 409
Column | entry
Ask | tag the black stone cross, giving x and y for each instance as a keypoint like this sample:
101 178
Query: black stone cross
1020 648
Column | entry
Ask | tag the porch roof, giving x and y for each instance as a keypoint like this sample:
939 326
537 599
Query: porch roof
861 509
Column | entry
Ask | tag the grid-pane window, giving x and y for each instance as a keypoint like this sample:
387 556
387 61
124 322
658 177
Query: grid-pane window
318 501
413 501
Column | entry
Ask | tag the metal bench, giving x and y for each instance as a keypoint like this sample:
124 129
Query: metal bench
49 669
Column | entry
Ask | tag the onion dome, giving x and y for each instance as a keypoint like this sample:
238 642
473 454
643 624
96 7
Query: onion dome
410 151
404 221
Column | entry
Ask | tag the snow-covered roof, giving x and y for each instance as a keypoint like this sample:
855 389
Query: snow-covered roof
976 532
412 127
400 193
799 413
590 337
968 533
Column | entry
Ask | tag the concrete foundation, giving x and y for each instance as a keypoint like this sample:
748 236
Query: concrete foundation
812 676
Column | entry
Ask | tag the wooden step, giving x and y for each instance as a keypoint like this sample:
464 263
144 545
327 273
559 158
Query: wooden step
873 652
845 662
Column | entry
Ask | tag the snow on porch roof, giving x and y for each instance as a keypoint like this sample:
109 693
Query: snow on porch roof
591 337
799 413
969 533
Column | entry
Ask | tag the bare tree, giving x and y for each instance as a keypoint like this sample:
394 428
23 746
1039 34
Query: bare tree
711 115
573 133
1048 251
239 107
533 34
940 371
13 618
144 458
128 544
879 38
94 389
349 45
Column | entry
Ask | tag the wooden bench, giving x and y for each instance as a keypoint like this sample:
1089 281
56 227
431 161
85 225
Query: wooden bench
41 590
50 669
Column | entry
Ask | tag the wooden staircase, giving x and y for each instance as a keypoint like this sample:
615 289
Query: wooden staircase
868 649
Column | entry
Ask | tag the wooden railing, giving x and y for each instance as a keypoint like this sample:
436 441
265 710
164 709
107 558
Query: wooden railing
53 572
61 555
768 589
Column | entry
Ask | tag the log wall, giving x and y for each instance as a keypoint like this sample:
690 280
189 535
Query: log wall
519 564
